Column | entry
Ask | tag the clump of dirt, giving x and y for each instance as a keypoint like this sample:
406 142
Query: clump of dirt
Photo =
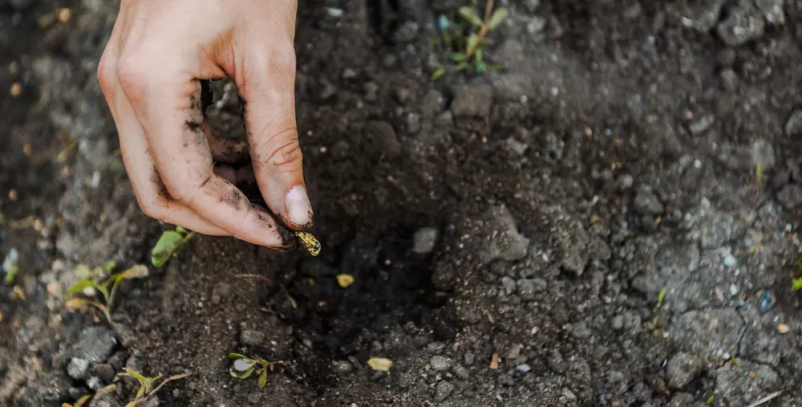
609 220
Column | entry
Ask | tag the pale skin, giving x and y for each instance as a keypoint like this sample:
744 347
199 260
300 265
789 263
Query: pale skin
150 72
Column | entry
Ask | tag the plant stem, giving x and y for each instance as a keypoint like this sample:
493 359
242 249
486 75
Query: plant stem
482 30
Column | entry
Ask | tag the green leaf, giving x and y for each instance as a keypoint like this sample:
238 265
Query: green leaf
469 14
798 283
82 272
244 375
438 74
236 356
498 16
144 382
710 399
660 298
472 41
109 266
79 287
478 57
461 66
169 242
458 57
11 274
263 378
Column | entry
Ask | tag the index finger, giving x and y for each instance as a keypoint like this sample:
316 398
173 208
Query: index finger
167 105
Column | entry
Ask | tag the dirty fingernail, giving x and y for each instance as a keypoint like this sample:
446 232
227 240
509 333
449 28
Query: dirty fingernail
297 205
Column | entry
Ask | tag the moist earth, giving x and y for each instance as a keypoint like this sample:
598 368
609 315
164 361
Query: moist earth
609 219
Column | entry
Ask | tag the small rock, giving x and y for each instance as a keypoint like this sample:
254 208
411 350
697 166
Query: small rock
406 32
790 196
703 15
730 260
531 5
95 344
461 372
440 363
766 301
508 285
618 322
382 140
94 383
556 362
782 328
535 27
78 368
425 240
647 203
742 25
472 100
581 330
78 392
681 400
469 358
682 369
523 368
615 377
625 181
503 241
702 125
772 11
350 73
252 337
105 372
762 153
104 400
793 127
516 146
254 398
529 288
730 80
443 390
342 366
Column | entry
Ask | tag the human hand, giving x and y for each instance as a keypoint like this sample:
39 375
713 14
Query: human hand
150 72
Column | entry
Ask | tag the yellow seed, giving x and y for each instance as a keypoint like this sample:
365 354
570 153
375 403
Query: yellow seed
381 364
345 280
782 328
64 15
16 89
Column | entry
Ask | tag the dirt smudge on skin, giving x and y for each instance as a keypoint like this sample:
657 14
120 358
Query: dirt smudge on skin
158 183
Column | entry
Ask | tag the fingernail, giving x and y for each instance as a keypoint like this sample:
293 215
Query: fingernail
297 206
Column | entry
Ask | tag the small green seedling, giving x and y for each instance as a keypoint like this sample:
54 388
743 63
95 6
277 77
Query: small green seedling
656 325
465 37
169 244
148 386
10 266
100 279
85 399
243 367
796 277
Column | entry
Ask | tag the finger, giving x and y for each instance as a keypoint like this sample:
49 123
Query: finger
167 106
145 179
149 189
266 84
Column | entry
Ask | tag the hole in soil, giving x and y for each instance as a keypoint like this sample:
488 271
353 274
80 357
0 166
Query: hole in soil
383 18
392 286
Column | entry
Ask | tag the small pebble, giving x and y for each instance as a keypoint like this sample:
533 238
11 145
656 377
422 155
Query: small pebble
523 368
782 328
440 363
766 301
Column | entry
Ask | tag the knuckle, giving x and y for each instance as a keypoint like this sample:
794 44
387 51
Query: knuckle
282 152
105 75
131 73
278 61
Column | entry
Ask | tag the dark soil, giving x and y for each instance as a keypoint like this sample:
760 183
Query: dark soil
510 234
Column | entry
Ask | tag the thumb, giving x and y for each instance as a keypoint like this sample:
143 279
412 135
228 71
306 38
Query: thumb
267 86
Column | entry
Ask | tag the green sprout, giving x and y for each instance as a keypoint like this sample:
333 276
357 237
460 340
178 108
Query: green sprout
656 325
10 266
243 367
100 279
148 386
796 277
169 244
466 37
